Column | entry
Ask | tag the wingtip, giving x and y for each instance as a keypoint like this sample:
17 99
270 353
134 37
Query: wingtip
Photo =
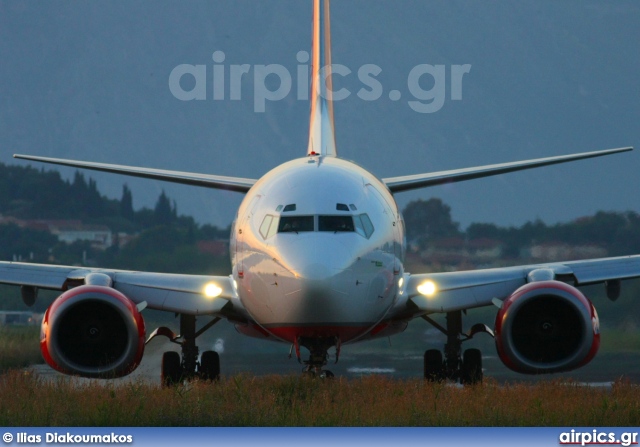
23 157
616 150
27 157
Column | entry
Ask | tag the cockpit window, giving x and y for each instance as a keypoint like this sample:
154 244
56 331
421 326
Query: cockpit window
335 223
291 207
360 224
269 226
295 224
342 207
364 226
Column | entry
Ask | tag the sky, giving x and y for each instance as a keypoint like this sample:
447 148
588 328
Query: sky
92 81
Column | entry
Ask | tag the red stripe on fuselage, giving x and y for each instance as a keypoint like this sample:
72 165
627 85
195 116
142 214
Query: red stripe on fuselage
344 333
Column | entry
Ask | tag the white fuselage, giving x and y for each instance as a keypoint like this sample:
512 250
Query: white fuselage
306 261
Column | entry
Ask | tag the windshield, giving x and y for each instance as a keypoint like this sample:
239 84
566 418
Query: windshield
360 224
295 224
335 223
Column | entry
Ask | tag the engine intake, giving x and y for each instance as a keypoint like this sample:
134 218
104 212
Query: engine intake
93 331
546 327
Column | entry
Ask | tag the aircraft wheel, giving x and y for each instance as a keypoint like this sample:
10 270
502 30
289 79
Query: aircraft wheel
171 369
209 366
326 375
471 373
433 366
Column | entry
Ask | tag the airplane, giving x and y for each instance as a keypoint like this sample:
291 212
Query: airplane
317 250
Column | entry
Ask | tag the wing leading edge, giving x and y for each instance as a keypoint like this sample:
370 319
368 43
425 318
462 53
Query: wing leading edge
168 292
409 182
476 288
188 178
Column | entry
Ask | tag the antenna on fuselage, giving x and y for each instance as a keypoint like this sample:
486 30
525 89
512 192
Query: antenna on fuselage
322 140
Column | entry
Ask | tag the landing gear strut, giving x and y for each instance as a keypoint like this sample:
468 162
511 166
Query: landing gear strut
176 367
318 355
455 366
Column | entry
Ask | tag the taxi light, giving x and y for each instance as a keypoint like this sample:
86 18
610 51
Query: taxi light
428 288
211 290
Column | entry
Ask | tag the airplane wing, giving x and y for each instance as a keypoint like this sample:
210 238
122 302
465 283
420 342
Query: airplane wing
453 291
409 182
169 292
188 178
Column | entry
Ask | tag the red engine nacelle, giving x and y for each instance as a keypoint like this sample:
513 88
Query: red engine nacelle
546 327
93 331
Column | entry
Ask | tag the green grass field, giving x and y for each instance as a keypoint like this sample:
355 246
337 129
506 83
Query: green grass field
19 347
299 401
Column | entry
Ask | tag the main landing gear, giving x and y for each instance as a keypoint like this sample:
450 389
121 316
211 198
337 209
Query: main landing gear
456 366
318 355
177 367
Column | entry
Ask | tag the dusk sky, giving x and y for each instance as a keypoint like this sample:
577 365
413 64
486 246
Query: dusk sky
90 81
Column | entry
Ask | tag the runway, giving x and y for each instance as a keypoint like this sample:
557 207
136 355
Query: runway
601 372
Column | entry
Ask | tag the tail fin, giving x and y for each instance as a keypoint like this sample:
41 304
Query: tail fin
322 140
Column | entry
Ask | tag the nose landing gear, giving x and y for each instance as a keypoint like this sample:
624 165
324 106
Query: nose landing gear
318 355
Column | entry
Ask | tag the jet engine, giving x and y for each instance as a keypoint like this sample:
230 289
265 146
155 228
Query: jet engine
93 331
545 327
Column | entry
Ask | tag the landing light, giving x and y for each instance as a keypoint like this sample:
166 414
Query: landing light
211 290
428 288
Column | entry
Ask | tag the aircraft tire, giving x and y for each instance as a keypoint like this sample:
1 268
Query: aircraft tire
471 373
171 369
210 366
433 366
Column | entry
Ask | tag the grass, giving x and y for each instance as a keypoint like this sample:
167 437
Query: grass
299 401
619 341
19 347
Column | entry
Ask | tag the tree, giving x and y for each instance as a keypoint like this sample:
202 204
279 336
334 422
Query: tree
164 213
599 229
428 220
95 201
126 203
483 231
25 243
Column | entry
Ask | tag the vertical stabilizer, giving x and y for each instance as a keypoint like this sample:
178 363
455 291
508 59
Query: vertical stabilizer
322 139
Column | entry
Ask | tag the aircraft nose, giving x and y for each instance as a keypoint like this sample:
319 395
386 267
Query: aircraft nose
315 286
327 288
315 258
